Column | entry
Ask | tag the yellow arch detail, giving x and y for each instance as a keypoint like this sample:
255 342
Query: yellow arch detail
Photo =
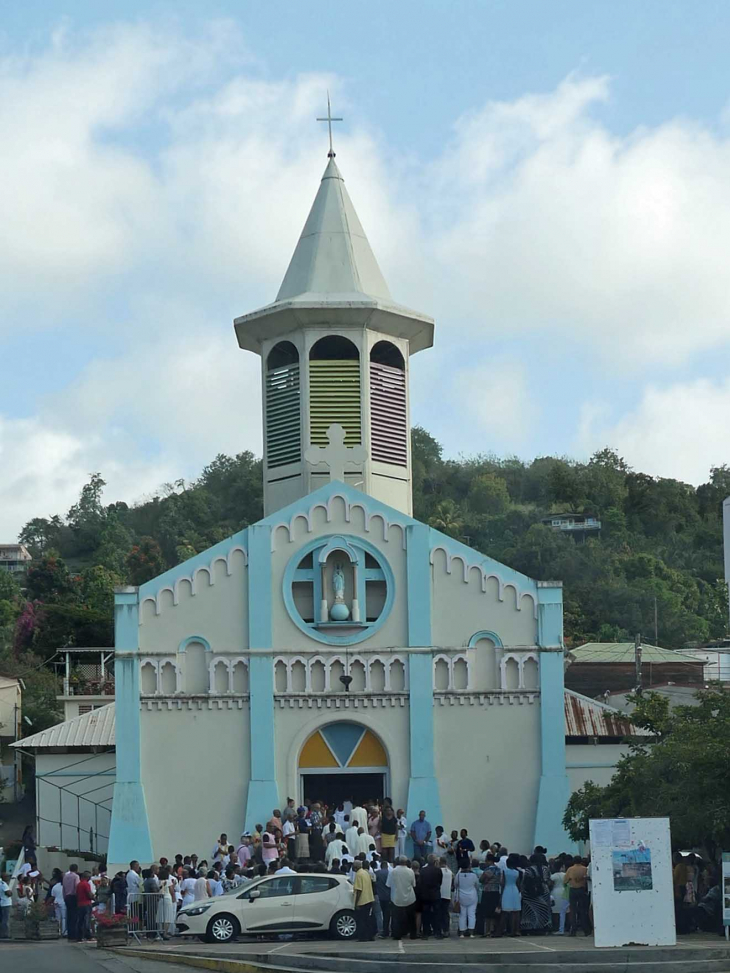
316 753
370 753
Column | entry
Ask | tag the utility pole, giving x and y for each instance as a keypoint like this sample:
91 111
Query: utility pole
656 623
637 660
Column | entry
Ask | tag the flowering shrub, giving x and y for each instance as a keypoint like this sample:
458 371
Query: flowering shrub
108 920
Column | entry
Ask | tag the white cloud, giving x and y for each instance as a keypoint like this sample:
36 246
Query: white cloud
564 228
679 430
154 187
496 398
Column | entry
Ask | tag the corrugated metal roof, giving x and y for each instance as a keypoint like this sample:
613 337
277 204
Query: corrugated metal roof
94 729
586 717
625 652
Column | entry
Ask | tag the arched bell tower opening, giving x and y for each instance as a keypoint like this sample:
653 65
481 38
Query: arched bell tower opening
388 405
282 411
334 389
343 760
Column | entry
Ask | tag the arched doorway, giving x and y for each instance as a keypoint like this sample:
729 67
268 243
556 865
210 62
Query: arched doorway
343 761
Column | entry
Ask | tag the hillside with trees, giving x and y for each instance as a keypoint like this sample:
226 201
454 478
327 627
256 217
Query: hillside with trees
660 548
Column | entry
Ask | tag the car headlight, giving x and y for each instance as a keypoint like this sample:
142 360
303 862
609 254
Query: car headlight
197 911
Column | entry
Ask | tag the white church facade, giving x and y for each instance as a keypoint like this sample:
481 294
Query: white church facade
338 646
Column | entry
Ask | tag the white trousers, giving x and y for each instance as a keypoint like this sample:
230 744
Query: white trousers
61 916
467 915
564 906
400 848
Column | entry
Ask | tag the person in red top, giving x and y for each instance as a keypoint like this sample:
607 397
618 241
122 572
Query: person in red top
84 902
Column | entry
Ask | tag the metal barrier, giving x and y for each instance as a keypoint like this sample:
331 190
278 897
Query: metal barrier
151 915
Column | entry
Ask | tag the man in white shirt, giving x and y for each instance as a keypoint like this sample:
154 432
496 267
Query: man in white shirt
59 905
360 815
339 816
284 868
351 839
334 850
289 832
503 854
5 903
402 885
134 883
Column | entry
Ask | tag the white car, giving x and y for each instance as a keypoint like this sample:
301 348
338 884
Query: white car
274 904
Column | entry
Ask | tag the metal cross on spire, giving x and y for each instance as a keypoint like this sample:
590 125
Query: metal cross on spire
329 119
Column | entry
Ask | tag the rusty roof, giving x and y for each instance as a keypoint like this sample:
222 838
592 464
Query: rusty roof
586 717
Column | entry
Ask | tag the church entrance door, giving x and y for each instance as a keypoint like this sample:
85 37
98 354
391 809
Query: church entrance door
335 789
343 760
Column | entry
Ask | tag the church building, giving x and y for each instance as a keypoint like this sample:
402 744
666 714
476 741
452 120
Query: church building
338 647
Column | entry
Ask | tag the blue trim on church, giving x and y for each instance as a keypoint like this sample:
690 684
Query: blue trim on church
423 788
263 795
554 787
129 835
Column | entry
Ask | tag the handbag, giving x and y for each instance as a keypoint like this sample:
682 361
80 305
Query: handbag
455 903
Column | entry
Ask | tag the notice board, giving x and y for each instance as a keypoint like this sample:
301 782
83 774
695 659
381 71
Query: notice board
631 872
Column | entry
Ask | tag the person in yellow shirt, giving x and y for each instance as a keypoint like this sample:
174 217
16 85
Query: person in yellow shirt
364 898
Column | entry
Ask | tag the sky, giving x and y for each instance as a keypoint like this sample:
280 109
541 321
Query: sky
550 181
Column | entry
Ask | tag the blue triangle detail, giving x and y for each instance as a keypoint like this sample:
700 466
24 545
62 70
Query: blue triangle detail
342 739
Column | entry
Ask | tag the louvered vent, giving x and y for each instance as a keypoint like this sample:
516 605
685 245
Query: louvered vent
283 417
389 431
334 396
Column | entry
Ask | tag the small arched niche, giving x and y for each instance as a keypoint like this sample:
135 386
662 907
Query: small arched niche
283 408
388 405
334 389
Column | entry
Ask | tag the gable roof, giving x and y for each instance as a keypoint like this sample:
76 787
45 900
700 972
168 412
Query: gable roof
624 652
90 731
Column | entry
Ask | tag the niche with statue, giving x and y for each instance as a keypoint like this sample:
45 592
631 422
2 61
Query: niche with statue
338 589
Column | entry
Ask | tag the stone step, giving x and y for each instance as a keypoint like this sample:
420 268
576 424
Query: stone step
434 960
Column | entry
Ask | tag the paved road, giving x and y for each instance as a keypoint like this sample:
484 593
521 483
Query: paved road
62 957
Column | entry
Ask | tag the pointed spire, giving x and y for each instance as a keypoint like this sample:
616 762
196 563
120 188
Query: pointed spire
333 256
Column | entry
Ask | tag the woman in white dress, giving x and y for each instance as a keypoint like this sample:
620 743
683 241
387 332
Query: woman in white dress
187 888
166 907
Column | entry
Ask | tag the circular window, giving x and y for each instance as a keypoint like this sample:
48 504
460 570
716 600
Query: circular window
338 589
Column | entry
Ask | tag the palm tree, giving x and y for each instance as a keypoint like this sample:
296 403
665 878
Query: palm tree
446 518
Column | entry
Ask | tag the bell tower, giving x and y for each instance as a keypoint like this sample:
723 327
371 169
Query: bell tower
335 350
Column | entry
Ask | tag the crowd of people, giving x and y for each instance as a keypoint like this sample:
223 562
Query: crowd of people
445 884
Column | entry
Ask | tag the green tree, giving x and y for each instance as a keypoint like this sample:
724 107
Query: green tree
49 580
144 561
447 518
680 772
488 494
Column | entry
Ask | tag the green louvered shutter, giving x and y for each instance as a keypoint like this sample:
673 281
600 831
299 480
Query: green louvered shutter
334 396
388 427
283 416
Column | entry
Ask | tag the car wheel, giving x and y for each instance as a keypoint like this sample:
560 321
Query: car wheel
222 929
343 925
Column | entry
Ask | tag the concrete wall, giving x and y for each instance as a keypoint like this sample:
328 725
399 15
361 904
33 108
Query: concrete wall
462 608
586 761
195 768
488 767
214 611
